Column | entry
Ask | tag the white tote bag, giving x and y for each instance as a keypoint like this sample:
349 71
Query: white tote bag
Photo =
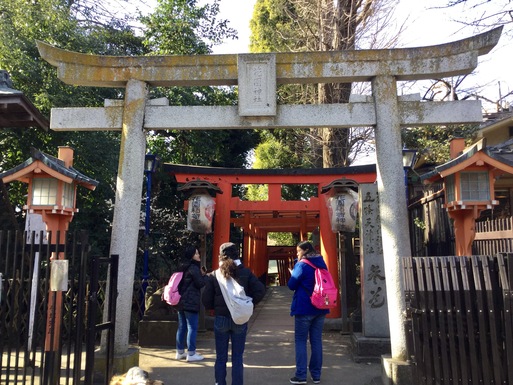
238 303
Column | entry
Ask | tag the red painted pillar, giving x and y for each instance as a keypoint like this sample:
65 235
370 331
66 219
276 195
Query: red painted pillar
304 228
221 220
464 229
247 239
57 225
260 253
328 247
264 257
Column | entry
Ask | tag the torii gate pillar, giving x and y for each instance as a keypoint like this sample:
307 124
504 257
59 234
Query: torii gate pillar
392 205
127 207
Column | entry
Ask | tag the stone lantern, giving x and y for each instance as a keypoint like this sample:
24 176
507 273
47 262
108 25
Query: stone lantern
468 180
342 202
52 184
201 205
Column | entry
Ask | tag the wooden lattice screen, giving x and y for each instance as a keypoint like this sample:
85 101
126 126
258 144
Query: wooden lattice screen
460 319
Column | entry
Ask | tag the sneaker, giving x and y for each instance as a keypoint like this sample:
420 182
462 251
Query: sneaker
194 357
181 356
316 380
295 380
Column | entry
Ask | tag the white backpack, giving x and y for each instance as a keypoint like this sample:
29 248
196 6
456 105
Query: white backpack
238 303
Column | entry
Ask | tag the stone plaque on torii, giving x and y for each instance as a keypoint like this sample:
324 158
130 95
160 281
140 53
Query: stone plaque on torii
257 76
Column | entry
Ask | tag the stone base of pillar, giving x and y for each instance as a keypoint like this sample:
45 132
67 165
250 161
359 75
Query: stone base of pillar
122 362
368 349
395 372
333 324
157 333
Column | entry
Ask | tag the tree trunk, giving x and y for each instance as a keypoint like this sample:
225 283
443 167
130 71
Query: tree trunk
337 29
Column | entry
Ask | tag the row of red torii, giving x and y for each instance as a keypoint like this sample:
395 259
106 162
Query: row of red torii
333 210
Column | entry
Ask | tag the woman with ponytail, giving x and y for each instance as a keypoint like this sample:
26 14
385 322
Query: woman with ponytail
225 329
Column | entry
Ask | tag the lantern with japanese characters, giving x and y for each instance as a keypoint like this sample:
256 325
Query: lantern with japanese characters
200 205
342 203
200 213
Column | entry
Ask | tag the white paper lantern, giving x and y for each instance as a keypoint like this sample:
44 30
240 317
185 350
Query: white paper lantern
343 209
200 213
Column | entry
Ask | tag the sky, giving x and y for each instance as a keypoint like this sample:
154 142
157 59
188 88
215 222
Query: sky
427 25
238 12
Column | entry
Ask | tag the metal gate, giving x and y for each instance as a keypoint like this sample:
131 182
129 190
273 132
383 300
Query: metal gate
49 323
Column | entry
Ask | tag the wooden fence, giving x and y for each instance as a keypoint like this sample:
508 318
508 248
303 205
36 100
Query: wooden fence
460 313
493 236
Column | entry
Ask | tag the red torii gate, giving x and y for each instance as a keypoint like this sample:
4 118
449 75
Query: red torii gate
258 218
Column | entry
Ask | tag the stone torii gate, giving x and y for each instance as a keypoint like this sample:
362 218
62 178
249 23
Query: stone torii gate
257 76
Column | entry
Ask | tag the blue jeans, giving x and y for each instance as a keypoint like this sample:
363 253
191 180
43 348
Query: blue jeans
224 329
308 326
187 325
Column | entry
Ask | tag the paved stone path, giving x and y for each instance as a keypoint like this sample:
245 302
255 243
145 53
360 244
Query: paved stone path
269 356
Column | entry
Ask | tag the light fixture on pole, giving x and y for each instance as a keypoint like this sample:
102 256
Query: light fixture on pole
469 187
409 160
52 185
150 165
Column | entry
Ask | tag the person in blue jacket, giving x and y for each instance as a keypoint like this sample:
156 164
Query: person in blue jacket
308 320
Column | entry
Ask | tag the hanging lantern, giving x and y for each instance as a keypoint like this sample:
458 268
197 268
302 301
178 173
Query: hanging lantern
201 205
342 204
200 213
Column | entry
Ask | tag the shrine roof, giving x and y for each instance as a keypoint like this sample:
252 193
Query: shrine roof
501 156
54 164
17 109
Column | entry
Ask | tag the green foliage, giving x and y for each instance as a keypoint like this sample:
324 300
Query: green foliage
219 148
277 26
63 24
181 27
271 154
284 239
419 223
176 27
433 142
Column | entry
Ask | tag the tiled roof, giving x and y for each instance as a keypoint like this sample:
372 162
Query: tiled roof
53 163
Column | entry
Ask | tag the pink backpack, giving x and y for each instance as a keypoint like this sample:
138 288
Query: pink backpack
325 293
171 294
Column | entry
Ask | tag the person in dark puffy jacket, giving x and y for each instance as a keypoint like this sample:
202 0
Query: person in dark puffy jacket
189 306
225 329
308 320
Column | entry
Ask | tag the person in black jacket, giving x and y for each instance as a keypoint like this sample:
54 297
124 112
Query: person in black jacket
189 306
225 329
